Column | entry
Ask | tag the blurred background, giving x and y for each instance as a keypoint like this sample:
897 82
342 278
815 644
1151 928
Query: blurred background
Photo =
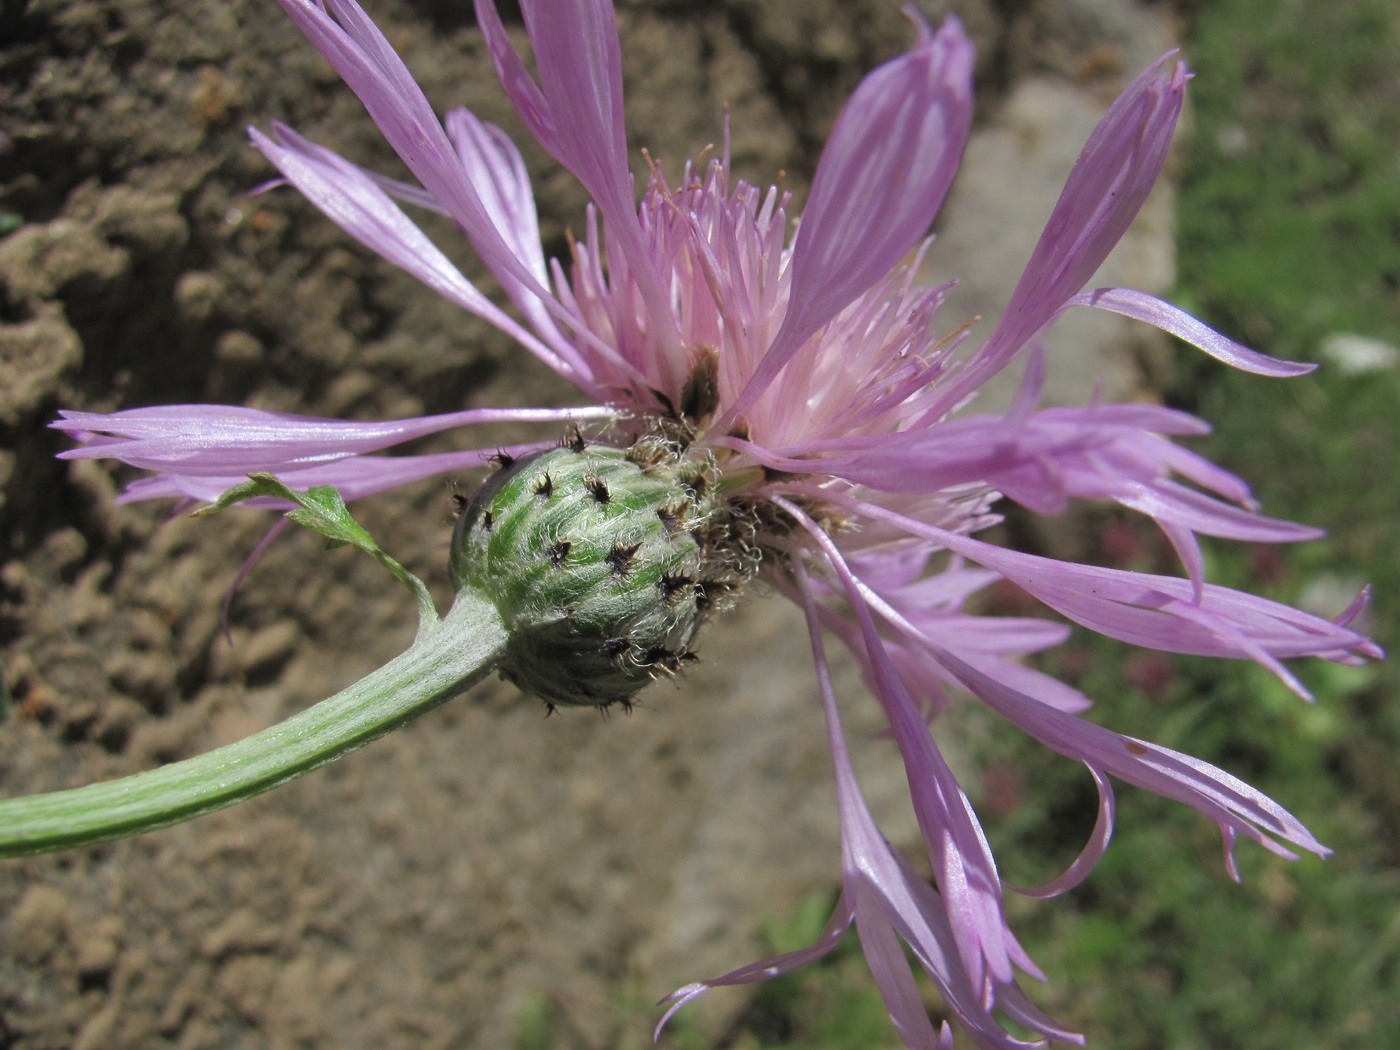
487 878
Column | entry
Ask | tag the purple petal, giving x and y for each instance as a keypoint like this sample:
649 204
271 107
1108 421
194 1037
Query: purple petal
888 897
1227 800
888 901
1047 458
893 977
981 640
764 969
1093 851
1188 549
224 440
493 165
880 182
358 203
962 860
1156 612
495 168
977 445
1358 605
993 634
355 478
1106 188
1045 688
1168 501
575 111
1143 307
358 51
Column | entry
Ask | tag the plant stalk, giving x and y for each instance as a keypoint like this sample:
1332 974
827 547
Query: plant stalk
446 658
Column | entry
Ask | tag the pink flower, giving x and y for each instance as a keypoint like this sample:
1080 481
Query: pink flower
812 372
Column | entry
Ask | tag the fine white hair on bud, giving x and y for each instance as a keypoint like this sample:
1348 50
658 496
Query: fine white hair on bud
602 563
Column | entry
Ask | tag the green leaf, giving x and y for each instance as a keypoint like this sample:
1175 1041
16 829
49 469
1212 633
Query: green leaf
322 510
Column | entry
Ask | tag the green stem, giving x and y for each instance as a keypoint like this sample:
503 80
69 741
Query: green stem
446 658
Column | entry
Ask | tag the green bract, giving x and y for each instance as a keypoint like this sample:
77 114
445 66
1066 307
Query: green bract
594 559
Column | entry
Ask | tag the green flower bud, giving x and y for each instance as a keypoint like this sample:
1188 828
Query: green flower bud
593 558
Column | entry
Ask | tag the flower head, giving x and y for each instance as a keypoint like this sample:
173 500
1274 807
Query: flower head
808 378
